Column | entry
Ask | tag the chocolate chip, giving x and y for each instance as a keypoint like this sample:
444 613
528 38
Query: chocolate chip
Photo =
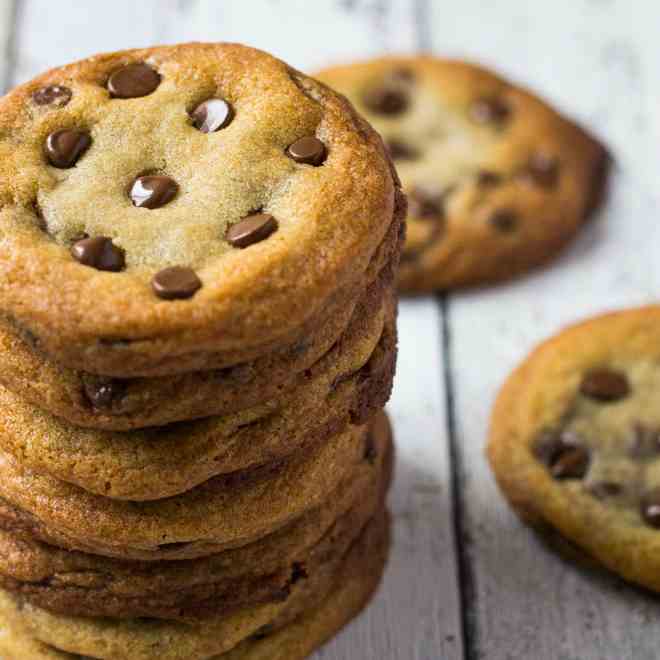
66 146
604 489
133 80
100 253
547 446
605 385
52 95
644 443
250 230
650 508
487 178
404 74
308 150
490 111
572 463
263 632
212 115
102 394
559 452
542 170
176 282
298 572
426 203
386 99
370 450
153 191
504 220
400 150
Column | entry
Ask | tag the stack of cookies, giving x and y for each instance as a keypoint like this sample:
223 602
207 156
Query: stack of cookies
197 338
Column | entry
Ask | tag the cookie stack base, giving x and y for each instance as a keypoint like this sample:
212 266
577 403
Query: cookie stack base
358 581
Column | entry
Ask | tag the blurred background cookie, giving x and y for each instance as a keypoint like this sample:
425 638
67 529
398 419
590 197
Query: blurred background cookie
497 180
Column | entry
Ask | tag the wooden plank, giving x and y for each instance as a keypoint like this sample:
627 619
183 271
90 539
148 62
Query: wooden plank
597 61
417 612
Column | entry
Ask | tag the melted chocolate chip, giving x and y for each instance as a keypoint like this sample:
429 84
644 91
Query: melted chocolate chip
572 463
400 150
133 80
490 111
104 393
504 220
308 150
250 230
66 146
176 283
604 489
644 443
212 115
100 253
605 385
386 99
370 451
487 178
403 74
263 632
547 445
298 572
153 191
426 203
57 95
650 508
541 170
561 455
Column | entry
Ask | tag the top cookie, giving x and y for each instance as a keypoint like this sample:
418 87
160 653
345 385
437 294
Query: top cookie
497 181
178 201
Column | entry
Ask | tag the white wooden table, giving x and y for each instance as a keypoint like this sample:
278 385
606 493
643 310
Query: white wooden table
466 580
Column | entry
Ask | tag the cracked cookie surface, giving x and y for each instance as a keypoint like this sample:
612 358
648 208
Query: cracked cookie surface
497 181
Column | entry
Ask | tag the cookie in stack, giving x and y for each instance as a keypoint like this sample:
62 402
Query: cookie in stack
498 181
197 338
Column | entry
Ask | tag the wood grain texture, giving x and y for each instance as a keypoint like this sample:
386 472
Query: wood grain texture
598 61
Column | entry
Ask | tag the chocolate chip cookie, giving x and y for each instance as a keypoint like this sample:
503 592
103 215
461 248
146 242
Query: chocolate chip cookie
347 386
575 441
139 639
497 181
224 512
183 208
316 609
86 585
92 401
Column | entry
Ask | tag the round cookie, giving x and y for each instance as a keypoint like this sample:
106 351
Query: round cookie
87 585
574 441
347 386
93 401
362 567
135 242
497 181
222 513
